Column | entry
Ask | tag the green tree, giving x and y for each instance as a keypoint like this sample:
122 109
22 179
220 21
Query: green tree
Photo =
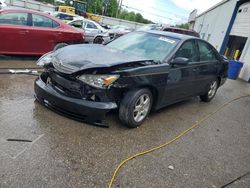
94 6
139 18
132 16
112 8
183 26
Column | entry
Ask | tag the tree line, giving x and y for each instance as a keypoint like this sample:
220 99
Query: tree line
111 8
108 8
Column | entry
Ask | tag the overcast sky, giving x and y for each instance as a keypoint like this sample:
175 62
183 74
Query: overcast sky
168 11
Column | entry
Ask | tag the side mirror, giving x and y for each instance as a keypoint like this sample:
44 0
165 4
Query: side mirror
180 61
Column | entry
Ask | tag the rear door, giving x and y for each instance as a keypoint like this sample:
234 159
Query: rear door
208 65
44 33
182 78
14 33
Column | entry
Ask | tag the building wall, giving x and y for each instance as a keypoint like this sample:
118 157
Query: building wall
212 25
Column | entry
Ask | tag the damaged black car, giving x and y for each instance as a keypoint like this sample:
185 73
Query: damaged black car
136 73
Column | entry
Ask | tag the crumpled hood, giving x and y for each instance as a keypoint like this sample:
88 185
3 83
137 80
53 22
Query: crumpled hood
74 58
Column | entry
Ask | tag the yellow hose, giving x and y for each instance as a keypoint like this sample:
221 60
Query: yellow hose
171 141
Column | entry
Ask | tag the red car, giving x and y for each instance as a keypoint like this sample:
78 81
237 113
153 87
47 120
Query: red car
30 32
181 31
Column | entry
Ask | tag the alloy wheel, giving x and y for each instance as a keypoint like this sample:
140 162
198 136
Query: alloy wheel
213 88
141 107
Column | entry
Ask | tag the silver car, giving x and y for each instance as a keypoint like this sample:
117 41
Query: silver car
93 32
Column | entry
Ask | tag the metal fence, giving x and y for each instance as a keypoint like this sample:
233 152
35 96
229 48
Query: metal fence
34 5
29 4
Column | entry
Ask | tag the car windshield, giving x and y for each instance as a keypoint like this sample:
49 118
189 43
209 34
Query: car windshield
147 45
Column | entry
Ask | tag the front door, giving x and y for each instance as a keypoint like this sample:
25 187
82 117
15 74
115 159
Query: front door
14 33
91 31
182 78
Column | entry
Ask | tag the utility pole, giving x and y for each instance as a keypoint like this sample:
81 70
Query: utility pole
119 8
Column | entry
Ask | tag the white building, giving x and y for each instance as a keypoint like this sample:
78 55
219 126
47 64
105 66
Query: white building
227 26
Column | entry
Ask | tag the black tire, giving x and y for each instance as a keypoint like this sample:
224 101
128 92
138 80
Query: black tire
60 45
98 40
208 96
128 107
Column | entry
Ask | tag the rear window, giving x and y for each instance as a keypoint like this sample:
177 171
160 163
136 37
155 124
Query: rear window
14 18
42 21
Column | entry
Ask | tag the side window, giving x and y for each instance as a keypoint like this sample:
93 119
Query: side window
14 18
188 50
55 24
206 52
42 21
91 25
76 24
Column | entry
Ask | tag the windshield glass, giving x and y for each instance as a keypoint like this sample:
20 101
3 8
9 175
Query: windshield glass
147 45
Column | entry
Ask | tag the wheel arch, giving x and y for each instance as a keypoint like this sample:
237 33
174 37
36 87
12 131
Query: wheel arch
153 90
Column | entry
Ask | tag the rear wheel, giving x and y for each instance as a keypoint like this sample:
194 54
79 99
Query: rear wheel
135 107
60 45
207 97
98 40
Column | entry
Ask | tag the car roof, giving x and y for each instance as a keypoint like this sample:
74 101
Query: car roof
177 28
170 34
10 9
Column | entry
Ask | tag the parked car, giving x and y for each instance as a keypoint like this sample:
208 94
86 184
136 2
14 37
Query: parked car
181 31
65 16
35 33
135 73
93 32
118 30
147 27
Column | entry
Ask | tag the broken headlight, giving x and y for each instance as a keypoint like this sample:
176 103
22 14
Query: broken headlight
45 59
98 81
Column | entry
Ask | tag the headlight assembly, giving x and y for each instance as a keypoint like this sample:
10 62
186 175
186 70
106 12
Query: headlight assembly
98 81
45 59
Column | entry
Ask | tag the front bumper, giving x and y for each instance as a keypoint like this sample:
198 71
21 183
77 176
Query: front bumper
78 109
106 39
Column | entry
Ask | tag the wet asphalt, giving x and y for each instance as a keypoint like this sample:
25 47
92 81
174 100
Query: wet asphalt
65 153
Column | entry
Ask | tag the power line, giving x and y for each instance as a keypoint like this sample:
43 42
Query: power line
163 3
165 11
140 10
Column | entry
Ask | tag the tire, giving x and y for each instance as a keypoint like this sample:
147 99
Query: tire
60 45
207 97
98 40
134 109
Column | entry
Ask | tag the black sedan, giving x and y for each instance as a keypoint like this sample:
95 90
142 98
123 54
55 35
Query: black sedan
135 73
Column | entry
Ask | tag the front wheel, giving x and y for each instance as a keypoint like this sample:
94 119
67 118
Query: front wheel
98 40
207 97
135 107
